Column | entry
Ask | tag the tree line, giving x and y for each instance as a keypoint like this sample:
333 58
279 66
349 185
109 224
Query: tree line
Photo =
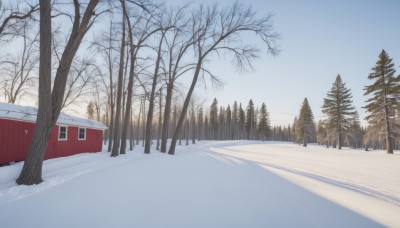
130 68
341 127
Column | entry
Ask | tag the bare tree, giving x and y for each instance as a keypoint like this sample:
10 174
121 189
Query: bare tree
18 75
150 112
178 45
78 83
117 118
13 17
104 45
144 29
218 31
50 100
159 120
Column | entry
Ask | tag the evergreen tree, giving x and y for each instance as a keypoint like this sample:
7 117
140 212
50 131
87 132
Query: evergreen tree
235 120
321 133
214 118
228 114
338 106
250 124
305 127
384 101
206 128
355 130
221 123
294 136
200 124
242 121
264 128
254 131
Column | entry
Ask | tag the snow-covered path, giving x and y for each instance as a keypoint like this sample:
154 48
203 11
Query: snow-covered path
211 184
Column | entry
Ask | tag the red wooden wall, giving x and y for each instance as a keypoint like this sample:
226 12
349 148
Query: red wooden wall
16 136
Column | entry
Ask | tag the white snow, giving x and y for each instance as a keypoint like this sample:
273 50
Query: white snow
28 114
210 184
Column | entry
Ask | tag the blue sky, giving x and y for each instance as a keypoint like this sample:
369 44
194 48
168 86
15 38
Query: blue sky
320 39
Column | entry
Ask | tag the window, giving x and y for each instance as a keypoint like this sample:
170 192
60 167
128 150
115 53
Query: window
82 134
63 133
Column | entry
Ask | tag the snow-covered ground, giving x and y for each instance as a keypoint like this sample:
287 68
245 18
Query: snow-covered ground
210 184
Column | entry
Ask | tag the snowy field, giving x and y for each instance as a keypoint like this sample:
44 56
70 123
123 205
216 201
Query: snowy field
210 184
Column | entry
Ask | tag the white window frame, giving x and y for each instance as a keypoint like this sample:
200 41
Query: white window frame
66 133
79 129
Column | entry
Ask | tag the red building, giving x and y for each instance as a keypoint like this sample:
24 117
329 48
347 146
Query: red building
71 135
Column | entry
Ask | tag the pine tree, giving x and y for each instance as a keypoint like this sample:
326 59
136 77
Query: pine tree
200 128
255 132
235 120
338 106
321 133
214 118
250 124
206 128
305 127
294 136
384 101
242 121
355 130
221 123
264 128
228 114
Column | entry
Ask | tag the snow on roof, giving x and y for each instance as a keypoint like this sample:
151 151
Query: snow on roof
28 114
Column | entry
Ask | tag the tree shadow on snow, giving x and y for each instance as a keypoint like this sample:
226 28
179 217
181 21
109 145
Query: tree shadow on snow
272 200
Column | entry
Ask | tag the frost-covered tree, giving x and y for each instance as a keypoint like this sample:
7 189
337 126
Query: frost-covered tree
339 109
305 127
264 127
385 91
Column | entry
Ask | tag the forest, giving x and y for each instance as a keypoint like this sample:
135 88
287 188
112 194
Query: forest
134 65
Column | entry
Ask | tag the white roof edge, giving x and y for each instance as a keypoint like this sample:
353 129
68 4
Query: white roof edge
28 114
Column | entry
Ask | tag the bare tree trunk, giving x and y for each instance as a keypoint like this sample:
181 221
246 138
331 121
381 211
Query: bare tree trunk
178 128
167 114
389 146
32 170
117 122
131 142
152 97
193 128
111 95
143 121
138 124
159 122
130 84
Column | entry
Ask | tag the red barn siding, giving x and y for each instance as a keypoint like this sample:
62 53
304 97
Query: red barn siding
15 141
